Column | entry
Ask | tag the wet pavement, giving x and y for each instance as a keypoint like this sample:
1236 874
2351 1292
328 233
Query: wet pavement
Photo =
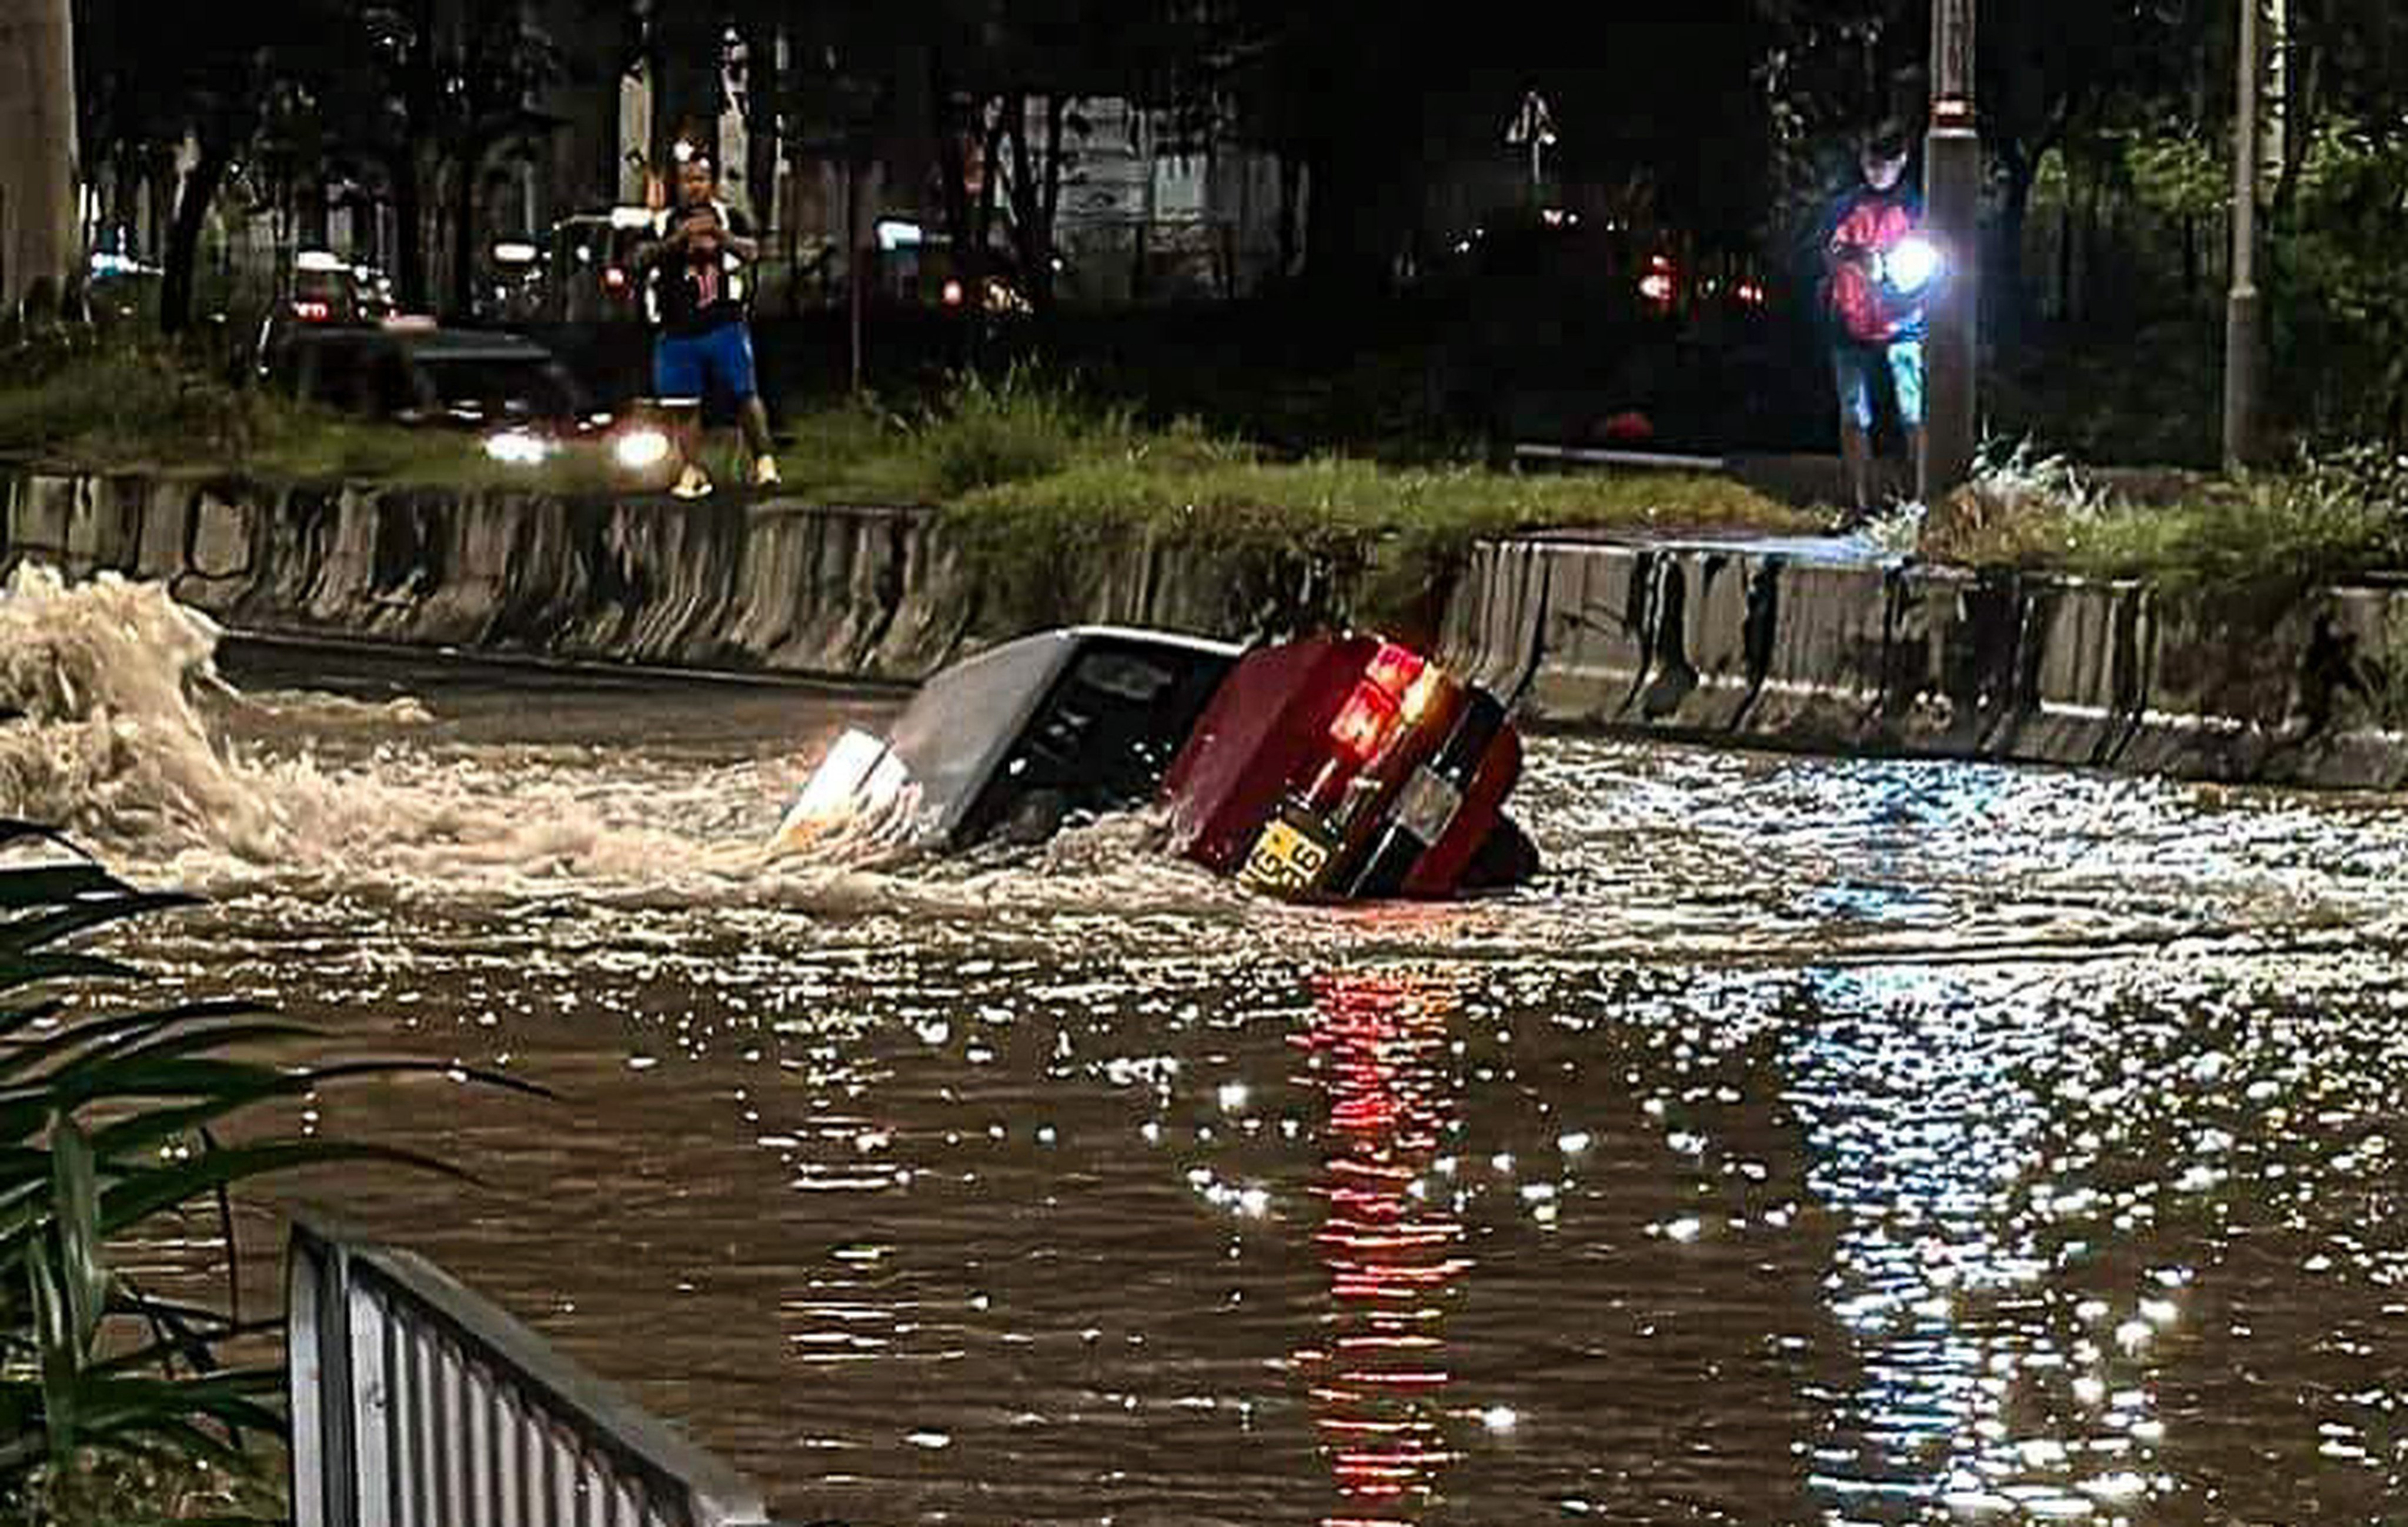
1819 1141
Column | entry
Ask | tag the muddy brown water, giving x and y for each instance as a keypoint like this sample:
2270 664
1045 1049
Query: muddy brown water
1818 1142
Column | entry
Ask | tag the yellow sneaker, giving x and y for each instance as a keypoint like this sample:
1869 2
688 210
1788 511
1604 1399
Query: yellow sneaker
765 472
692 484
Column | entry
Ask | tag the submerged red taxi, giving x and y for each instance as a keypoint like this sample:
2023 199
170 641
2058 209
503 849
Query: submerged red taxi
1338 767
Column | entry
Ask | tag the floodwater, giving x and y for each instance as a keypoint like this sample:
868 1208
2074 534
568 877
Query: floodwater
1820 1141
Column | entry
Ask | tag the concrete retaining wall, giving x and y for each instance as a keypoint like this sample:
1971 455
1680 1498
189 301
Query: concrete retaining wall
874 593
1762 642
1762 645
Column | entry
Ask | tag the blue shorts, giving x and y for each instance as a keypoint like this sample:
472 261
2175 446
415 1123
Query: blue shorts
716 361
1854 367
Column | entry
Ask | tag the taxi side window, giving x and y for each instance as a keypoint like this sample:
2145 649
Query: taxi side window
1103 727
1123 674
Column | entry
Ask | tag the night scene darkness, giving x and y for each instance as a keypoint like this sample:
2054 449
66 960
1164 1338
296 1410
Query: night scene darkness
781 764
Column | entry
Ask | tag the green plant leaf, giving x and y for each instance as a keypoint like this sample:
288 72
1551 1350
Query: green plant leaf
15 1021
143 1059
54 884
174 1076
30 932
223 1087
151 1078
161 1351
56 1349
466 1074
129 1202
92 1031
19 970
113 1404
16 830
142 1130
82 1268
141 1192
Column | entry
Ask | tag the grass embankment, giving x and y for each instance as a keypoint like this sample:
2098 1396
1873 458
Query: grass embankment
1031 469
2325 519
140 406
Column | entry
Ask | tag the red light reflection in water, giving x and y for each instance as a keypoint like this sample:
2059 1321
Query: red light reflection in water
1376 1047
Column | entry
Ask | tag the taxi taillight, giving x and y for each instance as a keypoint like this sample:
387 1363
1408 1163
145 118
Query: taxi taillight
1393 670
1363 722
1395 686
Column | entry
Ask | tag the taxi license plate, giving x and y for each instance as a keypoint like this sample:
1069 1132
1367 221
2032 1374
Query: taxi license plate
1285 862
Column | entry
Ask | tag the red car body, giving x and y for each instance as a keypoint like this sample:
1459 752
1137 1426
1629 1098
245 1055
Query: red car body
1334 767
1349 767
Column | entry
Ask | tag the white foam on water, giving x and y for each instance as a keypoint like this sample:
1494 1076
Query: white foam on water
103 736
108 691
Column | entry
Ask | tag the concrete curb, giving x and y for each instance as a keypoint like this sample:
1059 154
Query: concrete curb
1754 643
1802 644
775 584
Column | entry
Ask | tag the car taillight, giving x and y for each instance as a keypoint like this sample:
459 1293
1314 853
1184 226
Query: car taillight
615 278
1395 686
312 312
1363 723
1661 284
1395 668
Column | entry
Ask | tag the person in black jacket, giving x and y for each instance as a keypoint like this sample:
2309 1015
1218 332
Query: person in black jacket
697 288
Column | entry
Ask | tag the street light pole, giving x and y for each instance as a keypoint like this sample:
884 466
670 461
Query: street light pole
2245 313
40 213
1951 169
1535 125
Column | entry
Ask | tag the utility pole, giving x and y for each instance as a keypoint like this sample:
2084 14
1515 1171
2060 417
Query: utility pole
1533 123
1952 189
858 236
2245 314
40 204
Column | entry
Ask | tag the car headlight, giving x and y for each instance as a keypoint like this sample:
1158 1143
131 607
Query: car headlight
641 449
518 447
860 784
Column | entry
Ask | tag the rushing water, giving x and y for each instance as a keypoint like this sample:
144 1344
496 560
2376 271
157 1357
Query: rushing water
1819 1141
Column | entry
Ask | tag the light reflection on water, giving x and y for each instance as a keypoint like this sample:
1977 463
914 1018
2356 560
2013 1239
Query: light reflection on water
1850 1142
1379 1374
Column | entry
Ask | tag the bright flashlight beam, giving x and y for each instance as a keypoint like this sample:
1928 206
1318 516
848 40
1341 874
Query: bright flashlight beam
1912 265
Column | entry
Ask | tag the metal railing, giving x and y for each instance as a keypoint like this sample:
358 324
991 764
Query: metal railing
417 1402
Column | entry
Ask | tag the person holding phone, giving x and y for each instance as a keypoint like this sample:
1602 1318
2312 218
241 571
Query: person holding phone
698 289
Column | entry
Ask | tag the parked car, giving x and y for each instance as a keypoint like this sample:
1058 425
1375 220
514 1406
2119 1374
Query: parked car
589 266
1338 767
504 387
120 289
322 292
421 373
513 283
